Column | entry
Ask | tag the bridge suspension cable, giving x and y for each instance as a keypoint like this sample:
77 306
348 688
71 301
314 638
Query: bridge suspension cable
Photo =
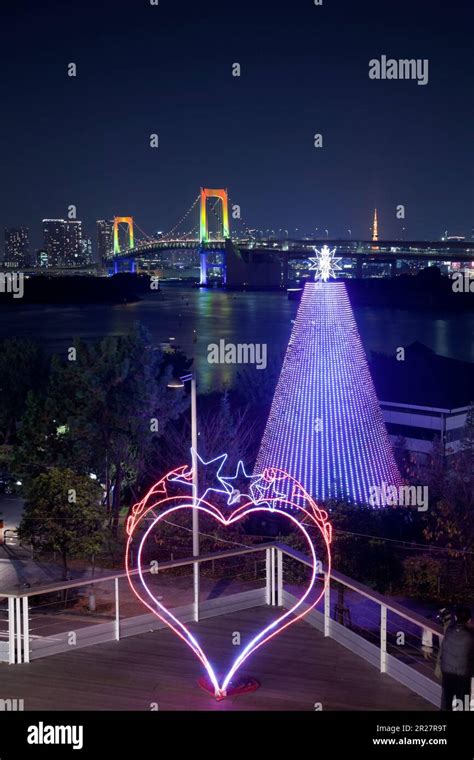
246 227
148 237
215 208
187 234
173 230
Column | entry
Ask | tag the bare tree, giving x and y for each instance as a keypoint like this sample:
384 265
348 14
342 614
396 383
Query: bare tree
220 430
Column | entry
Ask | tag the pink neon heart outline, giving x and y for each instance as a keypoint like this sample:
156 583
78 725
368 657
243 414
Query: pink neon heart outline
238 514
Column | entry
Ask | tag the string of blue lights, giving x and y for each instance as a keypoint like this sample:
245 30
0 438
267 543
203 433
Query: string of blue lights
325 426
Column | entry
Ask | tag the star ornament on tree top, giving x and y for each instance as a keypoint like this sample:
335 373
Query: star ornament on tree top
325 265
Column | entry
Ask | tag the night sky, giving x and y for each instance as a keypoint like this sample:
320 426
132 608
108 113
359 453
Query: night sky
167 70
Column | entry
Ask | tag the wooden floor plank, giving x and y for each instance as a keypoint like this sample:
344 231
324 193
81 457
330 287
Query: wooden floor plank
297 670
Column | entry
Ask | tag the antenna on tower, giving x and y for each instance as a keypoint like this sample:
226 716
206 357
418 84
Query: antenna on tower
375 228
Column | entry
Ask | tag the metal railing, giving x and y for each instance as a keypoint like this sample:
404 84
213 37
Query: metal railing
398 641
61 616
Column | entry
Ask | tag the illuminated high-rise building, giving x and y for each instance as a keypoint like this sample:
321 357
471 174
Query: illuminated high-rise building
86 251
105 238
54 234
73 249
325 426
62 239
16 246
42 258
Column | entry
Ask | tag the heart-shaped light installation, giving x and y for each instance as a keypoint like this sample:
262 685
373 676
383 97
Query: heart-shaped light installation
272 492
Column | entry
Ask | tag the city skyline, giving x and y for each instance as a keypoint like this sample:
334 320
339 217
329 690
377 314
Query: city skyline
71 138
36 238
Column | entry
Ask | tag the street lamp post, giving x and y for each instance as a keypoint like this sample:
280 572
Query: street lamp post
194 442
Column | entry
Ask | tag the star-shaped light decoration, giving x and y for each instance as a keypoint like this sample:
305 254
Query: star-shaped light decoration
215 467
239 479
266 492
325 264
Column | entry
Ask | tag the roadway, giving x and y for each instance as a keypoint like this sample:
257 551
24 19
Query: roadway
382 251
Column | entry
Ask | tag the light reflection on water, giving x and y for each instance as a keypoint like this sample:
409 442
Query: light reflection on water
234 317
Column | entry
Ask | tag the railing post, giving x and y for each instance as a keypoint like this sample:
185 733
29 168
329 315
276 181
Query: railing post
11 630
327 605
18 628
26 630
383 638
268 575
279 555
117 610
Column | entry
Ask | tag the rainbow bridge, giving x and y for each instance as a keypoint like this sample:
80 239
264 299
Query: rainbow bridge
245 250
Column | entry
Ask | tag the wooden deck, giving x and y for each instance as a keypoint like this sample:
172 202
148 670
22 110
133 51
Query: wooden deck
297 670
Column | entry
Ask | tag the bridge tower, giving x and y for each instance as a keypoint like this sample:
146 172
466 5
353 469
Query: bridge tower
128 220
223 197
204 226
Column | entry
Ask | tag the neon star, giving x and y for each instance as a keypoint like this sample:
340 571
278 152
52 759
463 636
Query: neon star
204 476
266 492
325 264
241 477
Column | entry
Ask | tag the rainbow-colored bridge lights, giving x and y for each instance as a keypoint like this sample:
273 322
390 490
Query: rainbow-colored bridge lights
224 199
128 220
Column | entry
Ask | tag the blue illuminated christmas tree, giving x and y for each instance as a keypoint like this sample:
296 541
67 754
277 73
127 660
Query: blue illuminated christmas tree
325 426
